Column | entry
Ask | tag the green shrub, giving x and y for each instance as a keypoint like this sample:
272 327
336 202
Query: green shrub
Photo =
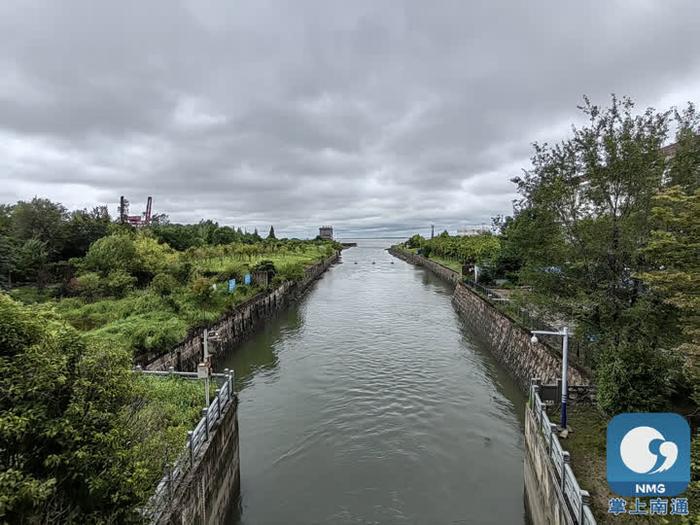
202 289
634 378
265 265
118 283
291 272
114 252
90 286
163 284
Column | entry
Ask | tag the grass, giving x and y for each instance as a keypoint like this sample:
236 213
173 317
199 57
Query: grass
452 264
163 410
587 446
148 320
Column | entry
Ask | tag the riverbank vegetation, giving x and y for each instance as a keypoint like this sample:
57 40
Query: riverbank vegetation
605 237
131 287
83 437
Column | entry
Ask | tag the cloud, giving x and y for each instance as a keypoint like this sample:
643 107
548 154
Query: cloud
376 117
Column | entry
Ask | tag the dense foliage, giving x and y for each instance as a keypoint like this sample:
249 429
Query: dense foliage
81 436
605 236
131 287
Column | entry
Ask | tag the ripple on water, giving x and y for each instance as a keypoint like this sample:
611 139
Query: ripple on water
371 404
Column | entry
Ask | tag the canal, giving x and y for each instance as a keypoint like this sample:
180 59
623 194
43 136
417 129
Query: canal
370 402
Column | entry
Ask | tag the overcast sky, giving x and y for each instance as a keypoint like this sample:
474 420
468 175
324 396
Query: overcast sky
378 117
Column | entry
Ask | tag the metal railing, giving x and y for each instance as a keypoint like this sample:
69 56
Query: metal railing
176 471
579 351
577 500
489 293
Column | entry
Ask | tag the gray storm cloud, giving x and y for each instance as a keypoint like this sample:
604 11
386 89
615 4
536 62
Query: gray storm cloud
378 117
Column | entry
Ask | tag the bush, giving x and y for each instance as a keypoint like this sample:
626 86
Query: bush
634 378
152 257
163 284
416 241
114 252
89 286
291 272
118 283
202 290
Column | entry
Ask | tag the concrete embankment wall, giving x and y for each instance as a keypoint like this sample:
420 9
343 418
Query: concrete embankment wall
446 273
239 323
543 496
211 486
509 342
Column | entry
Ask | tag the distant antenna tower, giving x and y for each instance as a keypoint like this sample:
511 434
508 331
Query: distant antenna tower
432 231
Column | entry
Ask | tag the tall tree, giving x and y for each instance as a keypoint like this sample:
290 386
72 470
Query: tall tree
675 243
271 235
83 228
587 205
43 220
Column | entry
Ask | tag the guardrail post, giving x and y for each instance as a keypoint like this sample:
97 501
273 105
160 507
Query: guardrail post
170 481
171 370
205 415
585 501
190 445
552 430
138 368
567 460
227 373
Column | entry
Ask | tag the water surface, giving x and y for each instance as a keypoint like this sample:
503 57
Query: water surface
370 402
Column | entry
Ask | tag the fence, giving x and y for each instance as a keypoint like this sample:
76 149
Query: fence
196 439
576 499
579 351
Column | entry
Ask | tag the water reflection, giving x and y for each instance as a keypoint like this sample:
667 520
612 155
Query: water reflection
369 402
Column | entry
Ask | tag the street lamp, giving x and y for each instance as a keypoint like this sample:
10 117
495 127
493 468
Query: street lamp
564 365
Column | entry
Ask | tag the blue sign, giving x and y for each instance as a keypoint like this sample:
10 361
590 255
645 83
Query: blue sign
246 279
231 285
648 454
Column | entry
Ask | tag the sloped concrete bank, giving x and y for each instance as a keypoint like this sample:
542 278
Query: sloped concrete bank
239 323
438 269
508 341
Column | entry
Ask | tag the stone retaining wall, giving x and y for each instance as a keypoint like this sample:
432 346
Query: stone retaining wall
509 342
236 325
437 268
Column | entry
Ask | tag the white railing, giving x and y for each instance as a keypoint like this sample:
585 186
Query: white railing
576 499
176 471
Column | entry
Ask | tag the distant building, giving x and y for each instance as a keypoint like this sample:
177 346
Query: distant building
326 233
471 232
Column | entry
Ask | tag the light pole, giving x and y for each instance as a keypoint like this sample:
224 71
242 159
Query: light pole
564 366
